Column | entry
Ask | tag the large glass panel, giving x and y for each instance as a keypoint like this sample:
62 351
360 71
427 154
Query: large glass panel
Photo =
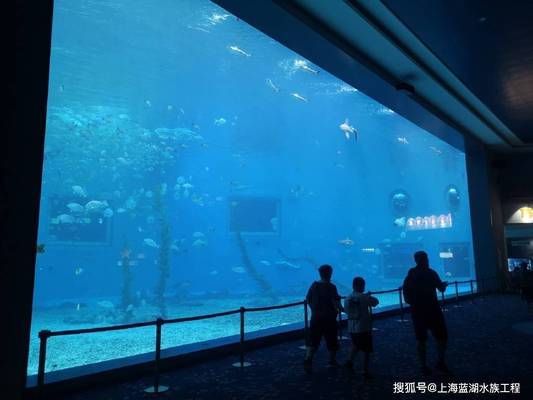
194 165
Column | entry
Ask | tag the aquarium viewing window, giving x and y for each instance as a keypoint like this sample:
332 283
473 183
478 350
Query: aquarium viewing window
210 168
254 215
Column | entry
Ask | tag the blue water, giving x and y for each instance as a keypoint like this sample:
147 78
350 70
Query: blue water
193 165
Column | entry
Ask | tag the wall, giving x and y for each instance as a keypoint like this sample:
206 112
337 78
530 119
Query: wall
20 189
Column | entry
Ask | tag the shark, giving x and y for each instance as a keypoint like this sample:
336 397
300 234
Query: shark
239 51
348 129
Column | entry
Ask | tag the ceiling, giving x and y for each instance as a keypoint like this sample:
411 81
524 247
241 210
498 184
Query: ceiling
488 45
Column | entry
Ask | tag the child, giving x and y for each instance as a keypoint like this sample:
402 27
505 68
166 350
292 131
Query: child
324 301
357 307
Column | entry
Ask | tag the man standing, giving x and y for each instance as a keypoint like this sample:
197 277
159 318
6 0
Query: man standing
419 290
324 301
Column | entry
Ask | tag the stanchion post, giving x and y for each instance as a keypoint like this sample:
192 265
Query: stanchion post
471 290
43 338
241 313
306 326
157 388
400 297
340 325
443 301
241 362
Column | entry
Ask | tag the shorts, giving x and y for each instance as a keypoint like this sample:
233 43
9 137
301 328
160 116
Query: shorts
326 328
362 341
433 322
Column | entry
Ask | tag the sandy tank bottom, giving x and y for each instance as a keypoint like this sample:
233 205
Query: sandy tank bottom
77 350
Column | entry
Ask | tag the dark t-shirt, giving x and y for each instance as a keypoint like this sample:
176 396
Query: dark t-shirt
419 289
323 299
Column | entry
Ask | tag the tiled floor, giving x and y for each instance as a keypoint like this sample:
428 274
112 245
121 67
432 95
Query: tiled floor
484 348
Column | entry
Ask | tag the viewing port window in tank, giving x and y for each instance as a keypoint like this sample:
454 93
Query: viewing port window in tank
75 224
456 260
254 215
398 258
210 168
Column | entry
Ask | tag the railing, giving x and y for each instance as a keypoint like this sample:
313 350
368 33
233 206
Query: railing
44 335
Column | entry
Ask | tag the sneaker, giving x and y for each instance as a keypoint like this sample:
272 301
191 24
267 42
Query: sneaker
442 367
426 371
308 366
333 363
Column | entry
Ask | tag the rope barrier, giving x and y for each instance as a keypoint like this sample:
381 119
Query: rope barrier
44 335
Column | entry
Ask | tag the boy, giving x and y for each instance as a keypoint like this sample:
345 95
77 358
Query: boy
324 301
357 307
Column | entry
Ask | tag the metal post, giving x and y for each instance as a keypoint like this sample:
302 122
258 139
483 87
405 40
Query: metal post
241 362
306 326
157 388
443 302
340 327
400 297
457 305
471 290
43 337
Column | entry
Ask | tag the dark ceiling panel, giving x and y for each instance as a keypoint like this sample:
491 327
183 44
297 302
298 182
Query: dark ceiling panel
488 44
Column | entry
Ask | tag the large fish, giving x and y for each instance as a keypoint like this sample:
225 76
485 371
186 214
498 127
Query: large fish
239 51
348 130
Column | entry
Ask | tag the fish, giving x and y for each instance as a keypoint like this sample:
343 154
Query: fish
79 191
217 18
402 139
287 264
400 221
40 248
148 103
198 235
239 51
299 97
76 208
348 130
199 243
169 107
238 270
121 210
303 65
272 86
214 272
265 262
108 213
274 222
220 121
65 219
78 271
434 149
96 206
105 304
346 242
151 243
